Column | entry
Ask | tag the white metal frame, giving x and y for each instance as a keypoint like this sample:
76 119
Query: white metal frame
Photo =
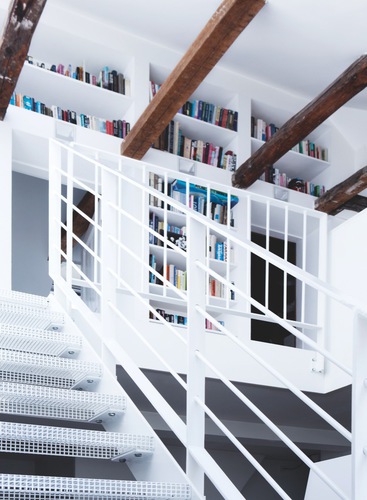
104 184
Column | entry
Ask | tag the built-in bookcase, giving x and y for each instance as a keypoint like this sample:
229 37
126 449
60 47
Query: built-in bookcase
210 117
169 260
304 162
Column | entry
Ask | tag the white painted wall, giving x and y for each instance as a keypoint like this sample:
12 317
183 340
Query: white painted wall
337 469
30 235
5 205
347 272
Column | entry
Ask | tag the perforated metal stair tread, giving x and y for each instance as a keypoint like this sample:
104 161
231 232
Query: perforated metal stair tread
49 402
29 299
30 316
60 441
22 487
38 341
38 369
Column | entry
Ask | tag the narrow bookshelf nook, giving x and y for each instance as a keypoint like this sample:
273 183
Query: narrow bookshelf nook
168 260
298 168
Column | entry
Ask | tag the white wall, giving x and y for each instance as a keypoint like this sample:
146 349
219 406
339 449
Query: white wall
339 470
5 205
30 235
348 273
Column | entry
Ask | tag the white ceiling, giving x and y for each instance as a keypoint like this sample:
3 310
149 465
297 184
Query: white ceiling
299 45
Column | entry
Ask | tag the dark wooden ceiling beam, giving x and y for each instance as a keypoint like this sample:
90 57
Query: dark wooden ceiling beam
337 197
352 81
80 223
15 40
355 204
226 24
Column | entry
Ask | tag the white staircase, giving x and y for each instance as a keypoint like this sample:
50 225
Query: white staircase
39 379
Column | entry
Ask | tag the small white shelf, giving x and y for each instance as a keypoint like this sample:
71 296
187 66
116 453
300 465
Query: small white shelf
173 257
295 164
201 130
55 89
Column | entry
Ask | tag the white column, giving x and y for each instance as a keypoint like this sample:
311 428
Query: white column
6 206
359 409
196 343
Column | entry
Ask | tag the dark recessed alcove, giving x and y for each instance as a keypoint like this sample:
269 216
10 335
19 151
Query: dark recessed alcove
264 331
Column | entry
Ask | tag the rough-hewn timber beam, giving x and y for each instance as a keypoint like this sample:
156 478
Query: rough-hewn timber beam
356 204
15 40
226 24
346 86
80 223
345 191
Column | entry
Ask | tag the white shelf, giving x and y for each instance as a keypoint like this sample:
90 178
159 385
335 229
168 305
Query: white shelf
201 130
295 164
173 257
55 89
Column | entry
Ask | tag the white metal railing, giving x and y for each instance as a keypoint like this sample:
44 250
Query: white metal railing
121 284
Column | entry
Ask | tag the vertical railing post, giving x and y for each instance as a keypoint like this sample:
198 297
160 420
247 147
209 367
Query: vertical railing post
359 409
109 255
69 218
54 228
196 279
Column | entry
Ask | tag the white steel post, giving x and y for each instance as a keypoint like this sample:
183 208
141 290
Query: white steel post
54 212
109 254
359 409
196 279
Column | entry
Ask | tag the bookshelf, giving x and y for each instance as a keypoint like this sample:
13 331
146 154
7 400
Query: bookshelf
204 118
220 256
305 161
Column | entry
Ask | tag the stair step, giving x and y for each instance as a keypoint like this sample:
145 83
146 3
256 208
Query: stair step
48 402
22 487
38 369
24 298
60 441
35 340
30 316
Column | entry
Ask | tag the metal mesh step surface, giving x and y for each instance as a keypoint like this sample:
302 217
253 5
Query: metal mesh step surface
30 316
64 404
35 340
24 298
60 441
25 487
38 369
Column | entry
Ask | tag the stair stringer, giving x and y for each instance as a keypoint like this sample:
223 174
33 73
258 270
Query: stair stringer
160 466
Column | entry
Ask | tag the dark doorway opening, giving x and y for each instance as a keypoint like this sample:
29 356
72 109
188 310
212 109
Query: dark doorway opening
264 331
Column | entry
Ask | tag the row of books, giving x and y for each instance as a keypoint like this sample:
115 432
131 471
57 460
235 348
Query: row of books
274 176
210 113
106 79
117 128
204 111
174 141
217 208
264 131
178 319
218 289
215 211
173 233
174 275
218 250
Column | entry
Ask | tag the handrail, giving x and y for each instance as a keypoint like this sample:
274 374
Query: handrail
295 271
302 275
